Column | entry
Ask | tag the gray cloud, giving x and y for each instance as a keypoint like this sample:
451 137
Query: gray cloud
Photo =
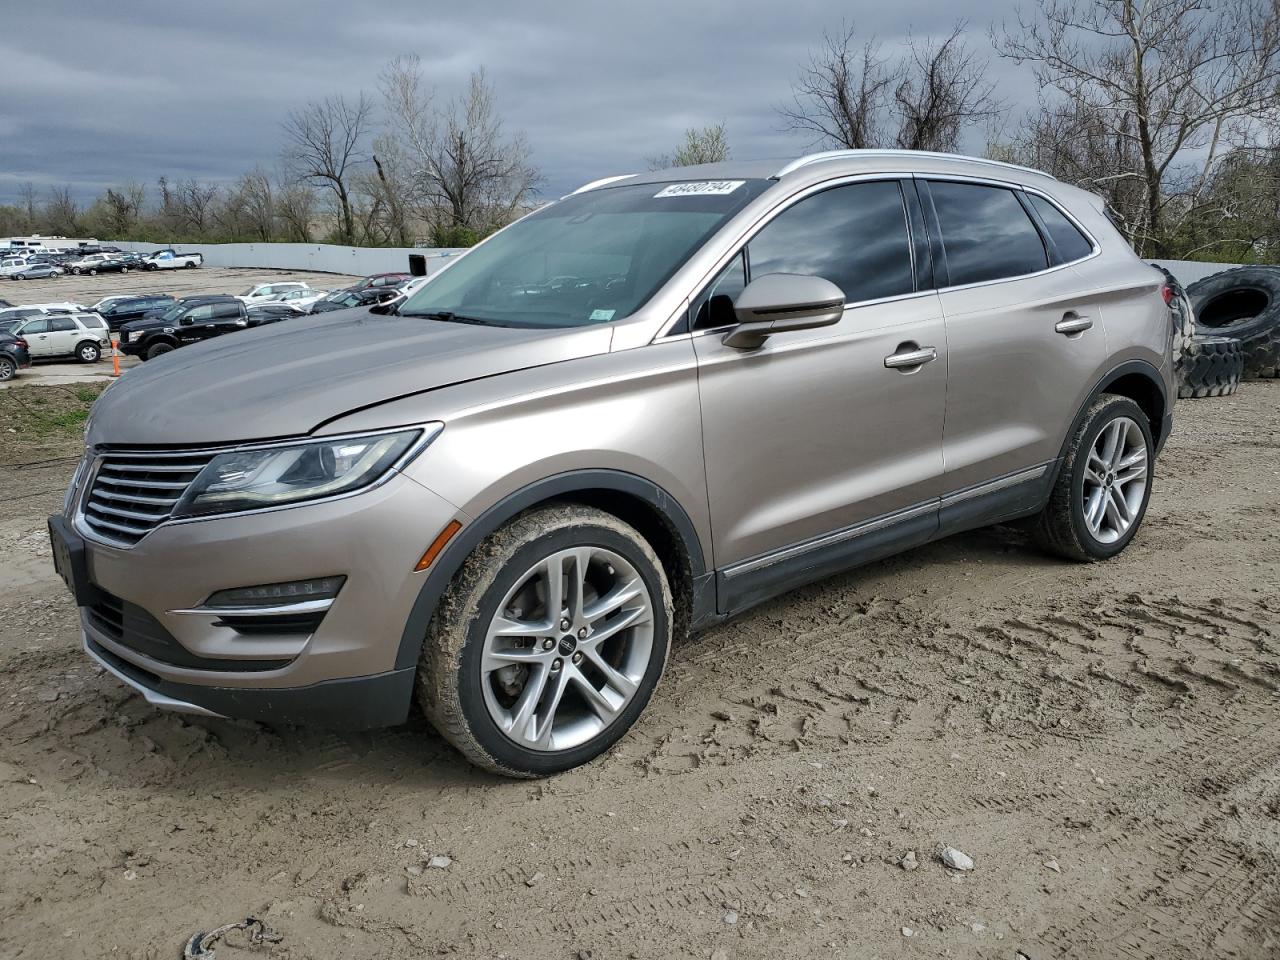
105 93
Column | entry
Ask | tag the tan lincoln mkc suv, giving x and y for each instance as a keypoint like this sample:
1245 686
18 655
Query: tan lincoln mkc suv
635 412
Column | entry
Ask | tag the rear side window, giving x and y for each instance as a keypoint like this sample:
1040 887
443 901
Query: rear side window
855 236
1070 244
985 232
93 322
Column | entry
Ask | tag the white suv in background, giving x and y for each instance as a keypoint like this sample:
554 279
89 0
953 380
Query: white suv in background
80 335
270 292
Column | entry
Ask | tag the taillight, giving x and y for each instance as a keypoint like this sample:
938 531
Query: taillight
21 342
1167 292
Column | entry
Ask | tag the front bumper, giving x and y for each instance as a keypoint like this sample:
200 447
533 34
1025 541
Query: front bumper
157 637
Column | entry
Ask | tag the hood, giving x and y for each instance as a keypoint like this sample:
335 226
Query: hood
285 379
148 321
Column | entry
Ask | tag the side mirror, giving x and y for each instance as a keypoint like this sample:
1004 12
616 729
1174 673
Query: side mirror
778 302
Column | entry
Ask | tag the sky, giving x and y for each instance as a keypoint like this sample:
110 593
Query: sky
96 95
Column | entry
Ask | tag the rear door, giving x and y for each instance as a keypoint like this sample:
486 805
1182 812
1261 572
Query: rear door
64 334
1025 340
812 434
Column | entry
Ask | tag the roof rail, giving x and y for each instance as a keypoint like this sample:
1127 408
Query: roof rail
849 154
603 181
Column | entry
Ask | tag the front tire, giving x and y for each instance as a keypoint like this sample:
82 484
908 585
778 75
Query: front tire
1104 484
158 349
549 642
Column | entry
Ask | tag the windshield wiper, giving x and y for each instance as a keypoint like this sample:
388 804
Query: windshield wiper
448 316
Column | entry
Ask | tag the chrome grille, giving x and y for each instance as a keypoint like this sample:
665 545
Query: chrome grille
134 492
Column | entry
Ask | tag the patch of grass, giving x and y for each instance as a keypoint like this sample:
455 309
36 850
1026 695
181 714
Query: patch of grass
38 422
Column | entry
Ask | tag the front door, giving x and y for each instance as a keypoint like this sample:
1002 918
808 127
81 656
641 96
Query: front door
821 438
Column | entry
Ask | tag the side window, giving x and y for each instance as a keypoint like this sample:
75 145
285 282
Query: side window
199 314
1071 244
223 311
93 323
714 306
62 325
855 236
985 232
35 326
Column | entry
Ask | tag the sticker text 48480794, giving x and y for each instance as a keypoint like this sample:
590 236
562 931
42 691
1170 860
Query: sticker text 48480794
700 188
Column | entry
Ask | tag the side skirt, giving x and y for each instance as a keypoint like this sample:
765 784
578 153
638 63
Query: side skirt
745 584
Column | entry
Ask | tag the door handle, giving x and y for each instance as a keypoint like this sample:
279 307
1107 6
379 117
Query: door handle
912 357
1072 322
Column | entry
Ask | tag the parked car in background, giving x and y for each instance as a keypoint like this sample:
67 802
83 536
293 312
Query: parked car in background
14 356
125 309
260 313
170 259
12 265
35 271
347 298
96 263
181 325
303 299
80 335
105 302
39 309
381 280
267 292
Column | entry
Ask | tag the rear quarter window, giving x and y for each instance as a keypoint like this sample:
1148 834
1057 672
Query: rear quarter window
1069 243
985 233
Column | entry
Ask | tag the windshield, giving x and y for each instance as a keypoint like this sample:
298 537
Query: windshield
590 258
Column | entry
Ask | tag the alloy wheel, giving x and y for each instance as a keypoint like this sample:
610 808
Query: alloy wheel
1115 479
568 649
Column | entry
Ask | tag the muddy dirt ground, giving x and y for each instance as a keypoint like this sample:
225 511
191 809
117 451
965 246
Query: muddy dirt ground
1103 741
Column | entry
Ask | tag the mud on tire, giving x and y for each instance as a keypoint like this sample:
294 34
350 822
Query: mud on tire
1213 367
451 681
1243 303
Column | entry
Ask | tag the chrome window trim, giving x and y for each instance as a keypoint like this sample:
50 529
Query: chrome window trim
765 218
1011 185
81 526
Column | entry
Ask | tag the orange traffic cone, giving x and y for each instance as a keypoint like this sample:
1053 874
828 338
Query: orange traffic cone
115 357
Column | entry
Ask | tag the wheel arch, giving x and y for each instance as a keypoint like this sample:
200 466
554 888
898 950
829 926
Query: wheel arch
1140 382
654 513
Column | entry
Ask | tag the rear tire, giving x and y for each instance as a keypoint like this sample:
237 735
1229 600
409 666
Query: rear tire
1103 486
88 352
158 349
501 628
1213 367
8 369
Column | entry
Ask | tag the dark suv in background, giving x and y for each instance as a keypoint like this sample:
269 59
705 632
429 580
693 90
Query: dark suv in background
135 308
183 323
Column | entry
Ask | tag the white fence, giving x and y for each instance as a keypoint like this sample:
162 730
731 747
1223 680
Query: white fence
322 257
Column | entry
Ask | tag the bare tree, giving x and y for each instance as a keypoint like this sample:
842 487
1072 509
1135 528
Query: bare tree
466 173
122 208
296 210
701 145
30 198
62 212
195 202
259 210
1163 88
325 142
840 96
944 90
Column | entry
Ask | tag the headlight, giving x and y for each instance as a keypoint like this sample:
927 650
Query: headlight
256 479
135 335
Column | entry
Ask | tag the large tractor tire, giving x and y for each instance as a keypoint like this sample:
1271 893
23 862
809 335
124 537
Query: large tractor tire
1212 368
1243 303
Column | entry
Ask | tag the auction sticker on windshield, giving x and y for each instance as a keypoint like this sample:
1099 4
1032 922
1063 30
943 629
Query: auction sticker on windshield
700 188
